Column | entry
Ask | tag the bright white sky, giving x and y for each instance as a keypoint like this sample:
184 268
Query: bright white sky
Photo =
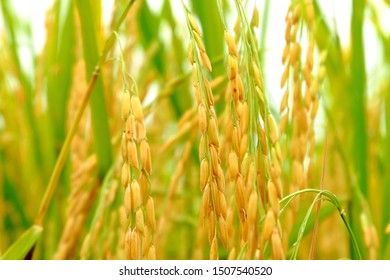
337 12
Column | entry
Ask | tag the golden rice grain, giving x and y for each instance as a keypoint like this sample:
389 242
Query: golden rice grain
233 164
204 173
222 205
139 220
240 87
125 177
146 158
314 109
232 66
211 226
143 182
214 159
131 131
232 254
263 141
295 53
127 201
223 231
135 245
236 137
220 177
202 118
269 225
214 249
245 164
195 76
250 182
135 195
199 42
296 13
206 60
132 154
151 252
191 53
128 244
277 248
141 131
284 77
206 201
232 47
284 102
272 129
273 198
252 208
210 96
145 241
256 72
240 193
137 108
213 131
287 33
193 24
243 146
150 213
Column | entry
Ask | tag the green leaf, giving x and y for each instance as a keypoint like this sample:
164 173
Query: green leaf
21 247
59 65
101 133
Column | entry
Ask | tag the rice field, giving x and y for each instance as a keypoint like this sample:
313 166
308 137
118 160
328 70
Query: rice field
181 130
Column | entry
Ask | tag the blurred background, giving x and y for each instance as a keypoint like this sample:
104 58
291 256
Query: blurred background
48 50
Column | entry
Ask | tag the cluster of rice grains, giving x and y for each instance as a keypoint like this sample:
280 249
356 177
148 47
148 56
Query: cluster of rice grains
253 155
254 159
212 180
84 186
299 104
136 169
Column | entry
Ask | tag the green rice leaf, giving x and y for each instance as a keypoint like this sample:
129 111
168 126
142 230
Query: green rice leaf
101 133
21 247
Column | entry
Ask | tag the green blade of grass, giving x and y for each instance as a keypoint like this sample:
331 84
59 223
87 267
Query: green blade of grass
25 243
357 95
59 64
101 133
